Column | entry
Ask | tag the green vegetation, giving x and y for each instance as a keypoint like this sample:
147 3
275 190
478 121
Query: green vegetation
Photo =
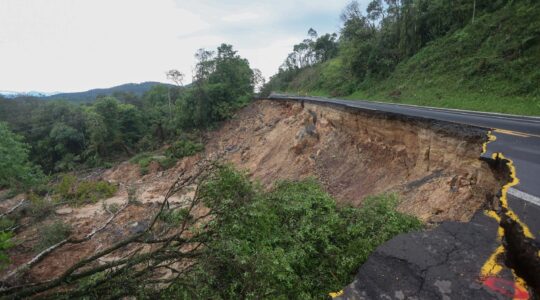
15 169
293 242
52 234
78 192
431 53
144 160
5 244
183 148
39 207
179 149
65 136
238 240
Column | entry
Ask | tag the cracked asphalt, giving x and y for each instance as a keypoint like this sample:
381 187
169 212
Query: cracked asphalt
442 263
446 262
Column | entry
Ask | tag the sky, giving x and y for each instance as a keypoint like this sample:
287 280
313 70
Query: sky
76 45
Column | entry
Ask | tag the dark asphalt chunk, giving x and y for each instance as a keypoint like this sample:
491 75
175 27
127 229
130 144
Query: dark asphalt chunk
443 263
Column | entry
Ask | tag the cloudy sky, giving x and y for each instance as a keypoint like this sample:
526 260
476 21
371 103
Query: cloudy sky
75 45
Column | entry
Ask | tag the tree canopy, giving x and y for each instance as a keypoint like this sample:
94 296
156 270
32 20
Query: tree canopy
16 171
63 135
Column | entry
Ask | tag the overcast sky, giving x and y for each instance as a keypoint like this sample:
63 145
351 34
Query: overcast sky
76 45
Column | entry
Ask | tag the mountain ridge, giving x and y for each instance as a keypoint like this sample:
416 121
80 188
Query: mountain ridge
86 96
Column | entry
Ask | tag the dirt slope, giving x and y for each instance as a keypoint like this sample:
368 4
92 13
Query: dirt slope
434 167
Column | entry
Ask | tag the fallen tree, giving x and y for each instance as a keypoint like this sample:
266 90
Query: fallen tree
231 239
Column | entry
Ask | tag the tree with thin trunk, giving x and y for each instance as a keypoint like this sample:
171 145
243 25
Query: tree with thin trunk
177 77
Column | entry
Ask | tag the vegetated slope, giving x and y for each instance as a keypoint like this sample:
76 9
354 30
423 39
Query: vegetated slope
491 65
434 167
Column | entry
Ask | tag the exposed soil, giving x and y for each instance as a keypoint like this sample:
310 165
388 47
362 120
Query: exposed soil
434 167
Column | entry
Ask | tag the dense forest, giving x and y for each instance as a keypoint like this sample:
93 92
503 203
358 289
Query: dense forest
478 55
60 136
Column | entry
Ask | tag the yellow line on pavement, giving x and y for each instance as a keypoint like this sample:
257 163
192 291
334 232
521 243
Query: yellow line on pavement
515 133
493 266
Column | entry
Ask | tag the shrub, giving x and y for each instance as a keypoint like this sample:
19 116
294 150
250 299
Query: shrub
5 244
39 207
6 223
132 194
139 157
16 170
292 242
174 217
112 208
167 162
52 234
183 148
78 192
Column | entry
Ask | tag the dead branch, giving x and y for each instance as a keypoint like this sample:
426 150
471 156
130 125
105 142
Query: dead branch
9 211
40 256
152 259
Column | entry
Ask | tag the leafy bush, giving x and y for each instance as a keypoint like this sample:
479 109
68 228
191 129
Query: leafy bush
52 234
5 244
6 223
183 148
78 192
174 217
39 207
292 242
132 194
112 208
140 157
16 171
145 159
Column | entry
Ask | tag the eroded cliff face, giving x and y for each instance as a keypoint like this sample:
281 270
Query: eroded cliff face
435 167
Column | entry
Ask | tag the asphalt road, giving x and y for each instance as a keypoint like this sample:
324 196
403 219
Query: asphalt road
518 138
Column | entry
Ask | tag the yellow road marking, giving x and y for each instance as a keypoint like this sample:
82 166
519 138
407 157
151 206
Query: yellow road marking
515 133
336 294
520 284
491 138
492 267
504 200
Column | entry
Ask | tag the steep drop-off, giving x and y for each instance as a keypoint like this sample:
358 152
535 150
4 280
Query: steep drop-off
434 166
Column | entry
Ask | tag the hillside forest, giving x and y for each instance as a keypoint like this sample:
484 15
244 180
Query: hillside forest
476 55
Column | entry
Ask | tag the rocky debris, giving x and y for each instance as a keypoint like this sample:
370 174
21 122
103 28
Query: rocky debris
442 263
138 227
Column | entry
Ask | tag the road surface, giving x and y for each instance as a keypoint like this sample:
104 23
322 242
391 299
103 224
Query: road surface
517 137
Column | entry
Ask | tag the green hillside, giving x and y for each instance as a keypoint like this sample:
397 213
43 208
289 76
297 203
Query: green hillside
492 64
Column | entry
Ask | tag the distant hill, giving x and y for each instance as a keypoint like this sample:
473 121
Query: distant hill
11 94
133 88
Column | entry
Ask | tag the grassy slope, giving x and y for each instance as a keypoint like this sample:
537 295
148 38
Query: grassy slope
491 65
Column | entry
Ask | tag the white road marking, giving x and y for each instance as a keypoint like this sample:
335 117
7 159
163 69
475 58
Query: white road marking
524 196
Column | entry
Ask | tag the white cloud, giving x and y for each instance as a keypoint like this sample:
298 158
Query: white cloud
71 45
